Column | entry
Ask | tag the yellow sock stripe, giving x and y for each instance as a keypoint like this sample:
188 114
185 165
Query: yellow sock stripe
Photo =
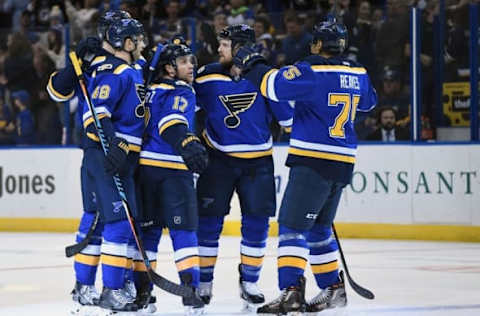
251 261
324 268
87 259
294 262
114 261
207 261
187 263
139 266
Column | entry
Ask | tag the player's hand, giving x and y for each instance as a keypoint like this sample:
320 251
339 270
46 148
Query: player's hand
248 56
87 49
116 156
193 153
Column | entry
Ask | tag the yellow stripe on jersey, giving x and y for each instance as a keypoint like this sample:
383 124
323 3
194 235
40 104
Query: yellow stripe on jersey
162 86
354 70
132 147
251 261
207 261
90 120
139 265
114 261
55 92
252 154
170 123
187 263
324 268
321 155
212 77
120 69
97 60
295 262
263 85
87 259
163 164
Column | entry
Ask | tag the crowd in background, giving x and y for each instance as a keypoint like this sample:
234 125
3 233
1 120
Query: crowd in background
32 46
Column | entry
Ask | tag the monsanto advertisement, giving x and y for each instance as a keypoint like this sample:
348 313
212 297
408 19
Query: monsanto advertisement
399 184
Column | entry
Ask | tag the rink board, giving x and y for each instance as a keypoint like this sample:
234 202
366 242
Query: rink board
428 192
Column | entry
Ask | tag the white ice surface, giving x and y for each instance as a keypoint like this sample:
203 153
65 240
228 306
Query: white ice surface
407 277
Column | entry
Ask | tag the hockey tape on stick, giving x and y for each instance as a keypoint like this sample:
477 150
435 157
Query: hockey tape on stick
363 292
156 279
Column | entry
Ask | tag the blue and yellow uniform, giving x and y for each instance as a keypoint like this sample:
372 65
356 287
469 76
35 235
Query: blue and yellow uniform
323 145
166 187
116 90
62 87
237 132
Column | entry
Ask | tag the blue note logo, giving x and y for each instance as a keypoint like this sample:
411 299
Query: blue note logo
117 206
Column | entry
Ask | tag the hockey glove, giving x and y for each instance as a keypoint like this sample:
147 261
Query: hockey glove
247 57
87 49
116 156
193 153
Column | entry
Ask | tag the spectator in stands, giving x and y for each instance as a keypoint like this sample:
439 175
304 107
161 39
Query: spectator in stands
362 38
26 27
24 120
18 66
391 93
392 37
16 7
296 45
264 38
7 127
173 24
82 19
132 7
377 19
388 131
240 13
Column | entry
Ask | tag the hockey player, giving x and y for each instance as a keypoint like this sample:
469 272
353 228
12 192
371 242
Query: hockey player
328 90
62 86
240 150
117 94
170 154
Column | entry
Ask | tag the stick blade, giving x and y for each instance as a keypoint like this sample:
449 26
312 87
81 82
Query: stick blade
169 286
363 292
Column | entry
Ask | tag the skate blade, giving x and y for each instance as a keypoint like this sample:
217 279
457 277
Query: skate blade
295 314
150 309
250 307
189 311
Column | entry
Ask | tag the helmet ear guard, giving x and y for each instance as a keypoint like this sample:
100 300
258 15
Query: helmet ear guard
122 30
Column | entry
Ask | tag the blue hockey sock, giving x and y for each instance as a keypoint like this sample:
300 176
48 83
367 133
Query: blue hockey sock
292 256
86 262
252 246
185 245
209 229
323 255
116 237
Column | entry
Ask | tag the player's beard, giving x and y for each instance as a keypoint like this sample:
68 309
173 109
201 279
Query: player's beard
226 64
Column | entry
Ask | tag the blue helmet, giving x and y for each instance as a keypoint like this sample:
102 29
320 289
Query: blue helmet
122 29
170 52
107 19
239 34
333 35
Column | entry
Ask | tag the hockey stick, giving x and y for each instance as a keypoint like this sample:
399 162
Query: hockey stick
363 292
156 279
74 249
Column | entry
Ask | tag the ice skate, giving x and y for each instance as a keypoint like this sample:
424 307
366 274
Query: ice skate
290 302
194 304
250 294
130 289
331 297
117 301
146 302
205 291
85 299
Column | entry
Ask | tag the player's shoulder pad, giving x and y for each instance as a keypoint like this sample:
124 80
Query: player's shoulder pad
182 85
317 60
214 68
112 65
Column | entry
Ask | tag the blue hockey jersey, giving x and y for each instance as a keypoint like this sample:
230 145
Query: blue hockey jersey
168 103
117 90
237 116
327 94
